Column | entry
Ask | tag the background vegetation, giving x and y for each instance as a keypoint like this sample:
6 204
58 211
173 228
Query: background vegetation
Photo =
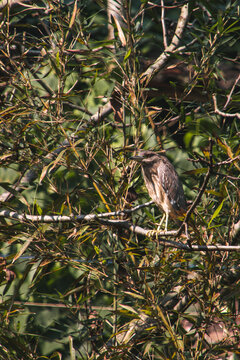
78 97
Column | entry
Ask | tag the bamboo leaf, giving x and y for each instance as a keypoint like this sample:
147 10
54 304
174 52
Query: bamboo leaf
129 308
74 13
216 212
196 171
134 295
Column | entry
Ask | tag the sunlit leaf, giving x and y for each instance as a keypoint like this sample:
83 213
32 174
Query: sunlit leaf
216 212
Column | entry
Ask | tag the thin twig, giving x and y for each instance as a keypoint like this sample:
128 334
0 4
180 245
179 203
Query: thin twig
195 203
199 196
173 120
227 176
228 161
230 94
165 43
11 2
27 178
219 112
184 47
77 107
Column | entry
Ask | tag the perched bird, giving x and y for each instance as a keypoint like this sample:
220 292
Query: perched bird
162 183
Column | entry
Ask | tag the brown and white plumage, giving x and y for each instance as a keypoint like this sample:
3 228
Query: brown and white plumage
162 183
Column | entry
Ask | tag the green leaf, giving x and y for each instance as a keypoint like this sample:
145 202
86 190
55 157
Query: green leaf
134 295
129 308
127 54
39 209
216 212
196 171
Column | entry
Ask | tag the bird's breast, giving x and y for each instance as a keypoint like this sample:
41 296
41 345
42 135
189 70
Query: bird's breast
160 193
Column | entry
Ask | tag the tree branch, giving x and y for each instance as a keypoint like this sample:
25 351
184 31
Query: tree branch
68 218
200 194
195 203
163 25
219 112
231 92
101 113
11 2
161 60
160 236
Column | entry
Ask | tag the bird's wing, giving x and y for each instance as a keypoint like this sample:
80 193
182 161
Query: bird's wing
172 185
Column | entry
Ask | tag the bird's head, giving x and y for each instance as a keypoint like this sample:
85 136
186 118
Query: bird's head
146 157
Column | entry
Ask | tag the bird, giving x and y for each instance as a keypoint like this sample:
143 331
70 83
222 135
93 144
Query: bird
163 184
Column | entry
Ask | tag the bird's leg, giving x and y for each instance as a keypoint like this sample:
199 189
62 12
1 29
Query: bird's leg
152 233
187 235
166 223
160 224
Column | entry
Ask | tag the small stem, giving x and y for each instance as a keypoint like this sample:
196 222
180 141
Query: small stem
163 25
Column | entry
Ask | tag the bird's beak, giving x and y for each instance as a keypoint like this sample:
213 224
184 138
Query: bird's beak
137 158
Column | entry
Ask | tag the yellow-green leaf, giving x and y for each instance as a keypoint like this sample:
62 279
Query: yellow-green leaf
216 212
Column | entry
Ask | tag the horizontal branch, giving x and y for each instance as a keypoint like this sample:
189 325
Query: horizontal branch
68 218
161 236
166 242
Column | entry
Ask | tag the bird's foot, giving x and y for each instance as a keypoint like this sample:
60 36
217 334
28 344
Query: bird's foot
154 233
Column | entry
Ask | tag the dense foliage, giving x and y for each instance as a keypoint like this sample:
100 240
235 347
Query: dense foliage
75 105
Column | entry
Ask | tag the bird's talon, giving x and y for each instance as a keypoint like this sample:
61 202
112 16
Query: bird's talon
153 233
